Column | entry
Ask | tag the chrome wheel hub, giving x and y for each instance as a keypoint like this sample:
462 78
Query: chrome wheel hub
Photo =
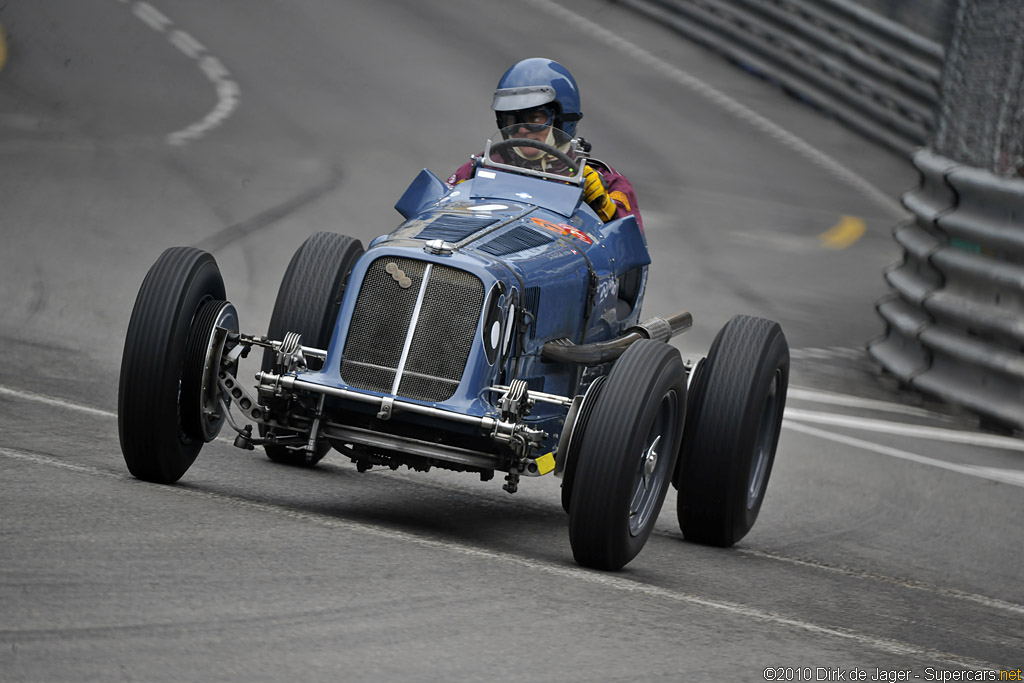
651 470
651 459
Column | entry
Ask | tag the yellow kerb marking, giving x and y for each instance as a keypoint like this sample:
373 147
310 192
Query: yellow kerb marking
3 47
848 230
545 463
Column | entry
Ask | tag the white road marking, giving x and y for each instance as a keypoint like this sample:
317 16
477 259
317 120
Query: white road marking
1004 476
834 352
151 16
58 463
993 603
902 429
1008 476
828 397
55 402
68 405
228 92
187 44
740 111
793 415
601 579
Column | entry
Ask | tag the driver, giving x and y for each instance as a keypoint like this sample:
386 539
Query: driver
536 95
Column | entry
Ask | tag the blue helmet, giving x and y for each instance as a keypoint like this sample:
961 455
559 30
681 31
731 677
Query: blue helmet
535 82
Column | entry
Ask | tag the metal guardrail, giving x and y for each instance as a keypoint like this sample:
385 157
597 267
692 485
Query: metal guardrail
955 325
873 74
955 322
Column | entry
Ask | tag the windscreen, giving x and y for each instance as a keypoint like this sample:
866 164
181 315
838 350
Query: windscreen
548 153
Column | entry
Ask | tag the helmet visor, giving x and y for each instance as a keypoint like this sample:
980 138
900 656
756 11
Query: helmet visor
533 120
523 97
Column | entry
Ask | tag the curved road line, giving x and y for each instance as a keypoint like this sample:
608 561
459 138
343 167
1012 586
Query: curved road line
1003 476
740 111
871 424
798 393
228 92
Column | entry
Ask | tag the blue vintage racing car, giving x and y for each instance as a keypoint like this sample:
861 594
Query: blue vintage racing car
497 329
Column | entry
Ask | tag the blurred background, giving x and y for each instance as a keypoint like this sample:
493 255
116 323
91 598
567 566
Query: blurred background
848 168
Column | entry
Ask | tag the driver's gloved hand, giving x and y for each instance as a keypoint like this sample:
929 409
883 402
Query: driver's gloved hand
596 194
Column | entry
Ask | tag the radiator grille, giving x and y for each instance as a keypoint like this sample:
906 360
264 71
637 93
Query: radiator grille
531 302
379 324
445 330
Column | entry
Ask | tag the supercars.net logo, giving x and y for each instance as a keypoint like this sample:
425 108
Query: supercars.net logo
876 674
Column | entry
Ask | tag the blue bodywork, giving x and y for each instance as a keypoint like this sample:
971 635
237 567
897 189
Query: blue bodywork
554 267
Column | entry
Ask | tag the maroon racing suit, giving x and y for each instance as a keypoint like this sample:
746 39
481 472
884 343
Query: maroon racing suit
619 188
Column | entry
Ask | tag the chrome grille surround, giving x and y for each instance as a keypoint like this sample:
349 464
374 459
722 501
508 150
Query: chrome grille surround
442 326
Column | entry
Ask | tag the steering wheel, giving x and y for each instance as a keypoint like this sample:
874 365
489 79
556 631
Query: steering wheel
535 144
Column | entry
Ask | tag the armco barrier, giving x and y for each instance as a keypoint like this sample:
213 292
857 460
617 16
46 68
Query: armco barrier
955 325
955 322
873 74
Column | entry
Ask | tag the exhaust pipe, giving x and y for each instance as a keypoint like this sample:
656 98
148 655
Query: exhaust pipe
598 353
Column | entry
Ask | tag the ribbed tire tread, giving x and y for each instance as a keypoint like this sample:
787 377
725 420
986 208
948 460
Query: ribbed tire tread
153 441
310 293
307 302
613 440
722 429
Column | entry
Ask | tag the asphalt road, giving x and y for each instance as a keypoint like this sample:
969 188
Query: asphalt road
890 538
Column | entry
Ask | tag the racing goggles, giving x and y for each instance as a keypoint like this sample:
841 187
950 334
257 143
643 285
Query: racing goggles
533 120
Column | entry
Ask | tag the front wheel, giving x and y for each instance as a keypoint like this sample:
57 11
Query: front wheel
164 414
307 303
733 425
627 456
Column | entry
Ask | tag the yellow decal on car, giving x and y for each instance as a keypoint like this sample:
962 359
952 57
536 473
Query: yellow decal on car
545 463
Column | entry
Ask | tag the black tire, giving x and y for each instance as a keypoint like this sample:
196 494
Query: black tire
155 391
586 410
307 302
616 497
733 424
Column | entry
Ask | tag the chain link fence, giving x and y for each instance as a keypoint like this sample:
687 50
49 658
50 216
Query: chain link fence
955 320
941 81
981 107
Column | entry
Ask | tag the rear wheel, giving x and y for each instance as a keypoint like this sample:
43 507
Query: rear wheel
307 303
160 405
733 426
627 456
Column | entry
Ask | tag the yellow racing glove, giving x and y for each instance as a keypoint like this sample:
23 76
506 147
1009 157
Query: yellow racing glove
596 194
